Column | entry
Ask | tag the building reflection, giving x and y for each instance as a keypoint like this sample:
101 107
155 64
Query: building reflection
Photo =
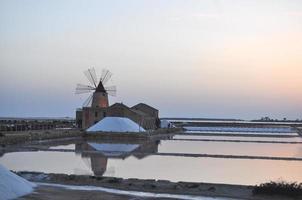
99 152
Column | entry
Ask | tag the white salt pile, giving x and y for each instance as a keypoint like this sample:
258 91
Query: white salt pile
13 186
116 124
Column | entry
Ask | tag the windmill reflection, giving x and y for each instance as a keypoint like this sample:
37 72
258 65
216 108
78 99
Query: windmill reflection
99 152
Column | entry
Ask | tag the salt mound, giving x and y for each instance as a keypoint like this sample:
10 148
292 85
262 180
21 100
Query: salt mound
116 124
13 186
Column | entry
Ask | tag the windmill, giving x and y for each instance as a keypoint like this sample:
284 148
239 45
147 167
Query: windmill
98 90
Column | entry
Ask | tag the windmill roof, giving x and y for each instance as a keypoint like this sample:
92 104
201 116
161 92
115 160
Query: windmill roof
100 87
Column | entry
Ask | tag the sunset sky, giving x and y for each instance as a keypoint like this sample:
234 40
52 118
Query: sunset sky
207 58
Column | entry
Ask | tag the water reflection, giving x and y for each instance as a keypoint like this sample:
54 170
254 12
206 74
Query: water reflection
238 138
260 130
88 160
222 132
99 153
139 159
231 148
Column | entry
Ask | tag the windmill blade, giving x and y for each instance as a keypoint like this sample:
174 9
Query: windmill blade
82 89
91 76
106 75
111 90
88 101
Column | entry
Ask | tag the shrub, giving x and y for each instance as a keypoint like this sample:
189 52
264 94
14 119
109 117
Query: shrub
292 189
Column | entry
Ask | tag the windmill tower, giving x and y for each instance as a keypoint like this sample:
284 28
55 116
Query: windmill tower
98 90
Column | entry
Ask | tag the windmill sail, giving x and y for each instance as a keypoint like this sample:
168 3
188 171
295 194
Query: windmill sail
88 101
106 75
91 76
96 86
81 89
111 90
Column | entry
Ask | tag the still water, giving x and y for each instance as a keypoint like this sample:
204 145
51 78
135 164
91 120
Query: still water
231 148
239 138
174 168
165 159
267 130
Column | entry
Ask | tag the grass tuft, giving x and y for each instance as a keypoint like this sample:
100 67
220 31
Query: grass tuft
291 189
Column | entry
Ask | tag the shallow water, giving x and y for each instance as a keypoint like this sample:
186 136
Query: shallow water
215 132
68 146
231 148
129 159
240 129
49 162
214 170
174 168
239 138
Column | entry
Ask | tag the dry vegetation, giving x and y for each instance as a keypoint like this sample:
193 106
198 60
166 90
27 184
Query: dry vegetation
279 188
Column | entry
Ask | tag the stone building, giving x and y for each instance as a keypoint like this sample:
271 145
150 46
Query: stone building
142 114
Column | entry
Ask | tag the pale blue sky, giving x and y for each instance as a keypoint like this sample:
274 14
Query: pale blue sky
208 58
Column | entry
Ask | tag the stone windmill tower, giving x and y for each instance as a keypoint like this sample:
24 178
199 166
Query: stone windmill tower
98 90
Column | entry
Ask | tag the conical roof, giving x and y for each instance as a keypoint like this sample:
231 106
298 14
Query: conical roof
100 87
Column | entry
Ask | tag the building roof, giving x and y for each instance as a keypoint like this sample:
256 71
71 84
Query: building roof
119 105
145 105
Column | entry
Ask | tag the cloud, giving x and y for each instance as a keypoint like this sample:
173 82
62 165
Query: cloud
294 13
197 16
206 16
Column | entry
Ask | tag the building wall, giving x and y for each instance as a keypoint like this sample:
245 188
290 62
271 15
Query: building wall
146 109
143 119
79 118
92 115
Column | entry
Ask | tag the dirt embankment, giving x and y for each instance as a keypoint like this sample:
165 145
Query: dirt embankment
29 136
10 138
159 133
155 186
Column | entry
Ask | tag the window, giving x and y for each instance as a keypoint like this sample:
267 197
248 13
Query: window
104 114
96 114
